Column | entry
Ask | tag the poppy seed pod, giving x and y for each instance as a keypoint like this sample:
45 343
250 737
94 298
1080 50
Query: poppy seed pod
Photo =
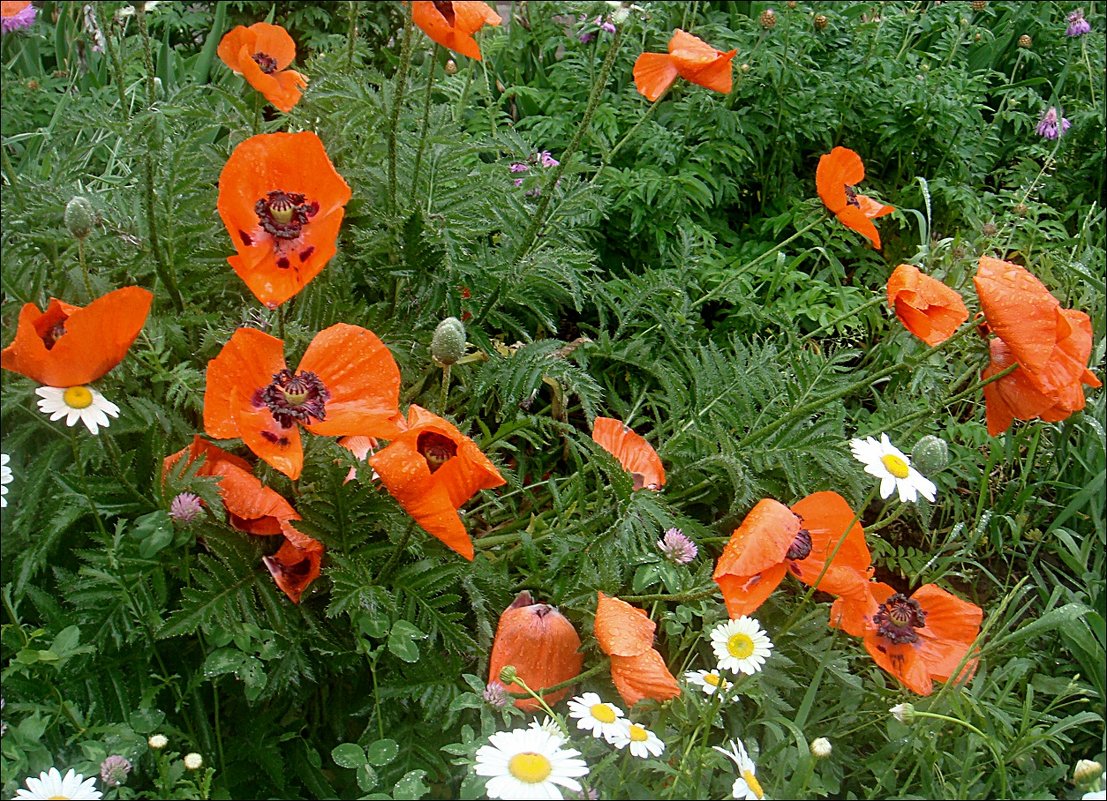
542 646
448 343
79 217
930 454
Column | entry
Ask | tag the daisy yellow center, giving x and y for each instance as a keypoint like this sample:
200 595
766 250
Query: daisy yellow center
530 767
713 679
753 783
603 713
895 465
740 646
638 734
78 397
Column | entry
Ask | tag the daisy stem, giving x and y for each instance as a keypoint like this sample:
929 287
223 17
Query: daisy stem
397 102
84 268
396 553
426 118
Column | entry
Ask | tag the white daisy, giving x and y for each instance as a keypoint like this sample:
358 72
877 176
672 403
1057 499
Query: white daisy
550 726
643 742
741 645
710 681
746 785
52 785
888 463
5 478
602 719
77 403
528 763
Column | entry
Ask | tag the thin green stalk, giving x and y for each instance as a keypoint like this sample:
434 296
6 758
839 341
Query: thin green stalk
115 62
877 301
84 268
445 393
596 669
628 136
10 174
1088 65
397 552
983 737
678 597
426 118
491 100
465 90
397 103
351 35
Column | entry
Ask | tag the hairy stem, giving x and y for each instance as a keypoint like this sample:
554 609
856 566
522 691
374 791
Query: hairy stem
397 103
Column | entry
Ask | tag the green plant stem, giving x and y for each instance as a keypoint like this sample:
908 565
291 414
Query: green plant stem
84 268
1000 765
1088 65
426 118
80 465
445 393
878 300
465 90
351 35
628 135
397 552
115 62
678 597
397 103
596 669
10 174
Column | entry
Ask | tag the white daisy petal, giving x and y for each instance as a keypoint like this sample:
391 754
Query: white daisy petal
887 486
529 764
893 467
741 645
81 403
594 715
52 784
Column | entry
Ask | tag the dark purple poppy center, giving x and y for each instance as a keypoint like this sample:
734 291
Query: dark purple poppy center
898 618
295 571
266 62
851 197
436 448
51 337
296 398
446 9
801 546
284 214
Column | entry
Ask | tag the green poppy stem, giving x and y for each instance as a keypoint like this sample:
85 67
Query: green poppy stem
426 118
397 103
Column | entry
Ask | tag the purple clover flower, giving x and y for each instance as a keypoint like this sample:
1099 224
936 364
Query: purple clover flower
114 770
185 508
495 694
1078 26
676 547
21 20
1053 125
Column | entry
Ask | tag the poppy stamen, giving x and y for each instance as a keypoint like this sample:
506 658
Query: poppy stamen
801 546
266 62
898 618
51 337
296 398
851 197
284 214
436 449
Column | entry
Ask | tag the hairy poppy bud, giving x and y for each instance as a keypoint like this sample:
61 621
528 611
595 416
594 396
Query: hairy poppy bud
451 67
79 217
930 454
448 343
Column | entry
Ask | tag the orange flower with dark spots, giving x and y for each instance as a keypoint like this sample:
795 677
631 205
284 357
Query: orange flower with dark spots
452 24
282 202
625 634
839 171
261 55
690 58
347 384
632 451
68 345
774 540
431 469
541 644
927 308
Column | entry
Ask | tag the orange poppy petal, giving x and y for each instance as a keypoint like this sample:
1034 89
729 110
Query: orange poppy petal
469 471
948 618
905 663
1019 309
362 379
274 444
631 450
643 676
654 73
873 209
690 49
839 168
853 609
541 644
245 365
700 63
743 594
9 8
274 41
855 219
236 46
87 342
454 25
828 518
760 542
717 76
252 506
621 629
296 564
927 308
1014 396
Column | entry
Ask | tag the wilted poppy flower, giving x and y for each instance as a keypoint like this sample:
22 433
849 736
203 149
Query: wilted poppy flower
452 24
625 634
690 58
282 203
256 509
68 345
541 644
774 540
347 384
431 469
632 451
927 308
839 171
260 54
920 639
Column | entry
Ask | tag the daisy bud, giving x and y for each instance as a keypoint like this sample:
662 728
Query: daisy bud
1025 42
930 454
1086 771
158 742
448 343
193 761
821 748
114 770
79 217
507 674
451 67
904 713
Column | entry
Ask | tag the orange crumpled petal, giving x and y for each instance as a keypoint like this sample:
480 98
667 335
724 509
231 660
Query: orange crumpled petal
927 308
689 57
625 634
837 173
631 450
282 87
452 24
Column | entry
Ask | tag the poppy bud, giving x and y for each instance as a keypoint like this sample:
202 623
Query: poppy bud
448 343
821 21
768 19
989 229
451 67
930 454
79 217
1020 209
1025 42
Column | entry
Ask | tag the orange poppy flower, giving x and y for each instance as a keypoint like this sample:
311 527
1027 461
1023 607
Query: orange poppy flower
625 634
690 58
927 308
260 54
774 540
67 345
431 469
282 203
835 177
452 24
1051 345
256 509
347 384
541 644
633 452
9 8
362 448
921 639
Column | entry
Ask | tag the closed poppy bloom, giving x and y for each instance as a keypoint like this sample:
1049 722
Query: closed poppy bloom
625 634
261 55
68 345
927 308
282 202
452 24
921 639
541 644
774 540
839 171
347 384
431 469
632 451
1051 345
690 58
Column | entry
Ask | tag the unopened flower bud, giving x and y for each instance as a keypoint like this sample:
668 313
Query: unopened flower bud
989 229
158 741
904 713
114 770
1025 42
768 19
745 68
1086 771
1020 209
821 748
79 217
930 454
979 5
193 761
792 3
507 675
451 67
448 343
821 21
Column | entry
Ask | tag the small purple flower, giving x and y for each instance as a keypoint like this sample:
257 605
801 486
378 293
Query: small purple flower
518 182
1053 125
495 694
605 25
520 166
586 37
185 508
1078 26
677 548
114 770
18 21
546 160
